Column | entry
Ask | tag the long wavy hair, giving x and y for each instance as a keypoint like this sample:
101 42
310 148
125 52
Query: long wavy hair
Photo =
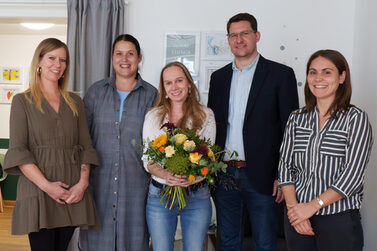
193 113
34 93
343 93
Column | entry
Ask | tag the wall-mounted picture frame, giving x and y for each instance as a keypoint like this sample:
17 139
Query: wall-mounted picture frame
7 92
183 47
11 74
214 46
206 69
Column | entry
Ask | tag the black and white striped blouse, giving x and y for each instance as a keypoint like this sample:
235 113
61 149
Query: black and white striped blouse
334 157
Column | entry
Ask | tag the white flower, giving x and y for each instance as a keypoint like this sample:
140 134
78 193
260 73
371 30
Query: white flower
189 145
169 151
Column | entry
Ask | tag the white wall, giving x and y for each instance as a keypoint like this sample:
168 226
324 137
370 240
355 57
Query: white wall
365 96
316 25
17 50
301 26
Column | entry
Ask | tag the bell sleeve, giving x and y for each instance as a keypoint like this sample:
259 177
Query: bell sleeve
18 152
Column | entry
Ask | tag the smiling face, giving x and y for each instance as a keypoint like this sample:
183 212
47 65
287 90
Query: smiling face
243 40
53 65
176 84
323 79
125 59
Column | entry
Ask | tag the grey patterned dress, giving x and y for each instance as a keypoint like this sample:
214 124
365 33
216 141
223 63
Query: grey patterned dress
119 186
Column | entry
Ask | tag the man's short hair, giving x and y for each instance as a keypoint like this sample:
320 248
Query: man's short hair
243 17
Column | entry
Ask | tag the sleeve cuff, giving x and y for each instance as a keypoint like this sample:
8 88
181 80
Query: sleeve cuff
344 195
15 157
281 184
89 156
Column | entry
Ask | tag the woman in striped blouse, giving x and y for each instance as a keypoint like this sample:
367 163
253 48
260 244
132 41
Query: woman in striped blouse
324 155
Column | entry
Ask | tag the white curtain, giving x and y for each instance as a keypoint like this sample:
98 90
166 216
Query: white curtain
93 25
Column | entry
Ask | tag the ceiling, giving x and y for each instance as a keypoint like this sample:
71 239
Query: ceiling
12 26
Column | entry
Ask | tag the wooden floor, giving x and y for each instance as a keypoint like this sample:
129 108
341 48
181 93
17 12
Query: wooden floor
10 242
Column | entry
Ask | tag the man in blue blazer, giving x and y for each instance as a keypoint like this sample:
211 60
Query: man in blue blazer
252 98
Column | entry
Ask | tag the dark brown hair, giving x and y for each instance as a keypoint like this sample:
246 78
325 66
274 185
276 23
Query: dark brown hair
243 17
344 91
193 109
127 38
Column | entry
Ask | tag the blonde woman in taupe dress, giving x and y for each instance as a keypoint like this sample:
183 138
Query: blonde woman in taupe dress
50 148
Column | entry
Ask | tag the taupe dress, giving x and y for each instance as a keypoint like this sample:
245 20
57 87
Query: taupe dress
58 143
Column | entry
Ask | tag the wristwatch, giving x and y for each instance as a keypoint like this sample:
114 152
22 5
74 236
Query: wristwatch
320 202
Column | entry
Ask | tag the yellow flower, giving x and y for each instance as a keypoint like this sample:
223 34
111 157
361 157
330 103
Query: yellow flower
160 141
210 153
195 157
189 145
169 151
180 138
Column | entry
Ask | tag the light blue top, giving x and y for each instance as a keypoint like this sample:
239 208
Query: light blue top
123 95
239 94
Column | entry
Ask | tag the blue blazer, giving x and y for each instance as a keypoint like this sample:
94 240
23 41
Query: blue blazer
273 96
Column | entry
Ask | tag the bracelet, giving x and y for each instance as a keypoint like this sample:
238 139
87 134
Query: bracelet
320 202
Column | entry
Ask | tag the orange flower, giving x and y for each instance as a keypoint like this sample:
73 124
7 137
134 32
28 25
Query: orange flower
162 149
160 141
197 134
191 178
204 171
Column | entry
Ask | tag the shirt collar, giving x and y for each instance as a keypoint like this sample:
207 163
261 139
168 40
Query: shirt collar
247 68
139 83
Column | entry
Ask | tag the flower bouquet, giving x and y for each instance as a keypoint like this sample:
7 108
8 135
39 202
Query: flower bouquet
183 152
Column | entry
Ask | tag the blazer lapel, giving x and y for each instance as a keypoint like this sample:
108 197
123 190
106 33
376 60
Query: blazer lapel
258 80
226 90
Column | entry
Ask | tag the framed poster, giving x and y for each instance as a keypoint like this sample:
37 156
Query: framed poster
11 74
7 92
215 46
184 48
206 69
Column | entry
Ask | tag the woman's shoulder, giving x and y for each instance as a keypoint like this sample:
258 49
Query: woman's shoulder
298 113
99 85
208 111
148 87
355 112
153 113
74 96
19 99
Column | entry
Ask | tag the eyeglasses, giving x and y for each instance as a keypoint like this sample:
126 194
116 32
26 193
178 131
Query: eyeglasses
242 34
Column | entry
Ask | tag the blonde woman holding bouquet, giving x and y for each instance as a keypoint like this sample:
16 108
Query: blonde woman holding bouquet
178 103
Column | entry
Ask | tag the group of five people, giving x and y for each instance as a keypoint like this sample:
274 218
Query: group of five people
315 156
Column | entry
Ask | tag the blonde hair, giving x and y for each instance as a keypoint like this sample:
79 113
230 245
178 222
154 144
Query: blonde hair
193 109
34 93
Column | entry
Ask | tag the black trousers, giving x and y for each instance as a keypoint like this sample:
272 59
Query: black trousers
337 232
56 239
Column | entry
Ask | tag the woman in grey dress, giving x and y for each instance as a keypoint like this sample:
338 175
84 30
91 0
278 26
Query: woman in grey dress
115 109
50 147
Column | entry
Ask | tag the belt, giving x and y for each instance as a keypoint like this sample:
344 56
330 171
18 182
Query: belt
193 187
236 163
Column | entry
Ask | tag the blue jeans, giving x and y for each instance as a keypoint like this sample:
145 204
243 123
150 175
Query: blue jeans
195 220
230 205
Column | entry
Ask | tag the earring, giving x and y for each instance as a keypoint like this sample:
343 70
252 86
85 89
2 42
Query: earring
166 97
39 70
189 91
